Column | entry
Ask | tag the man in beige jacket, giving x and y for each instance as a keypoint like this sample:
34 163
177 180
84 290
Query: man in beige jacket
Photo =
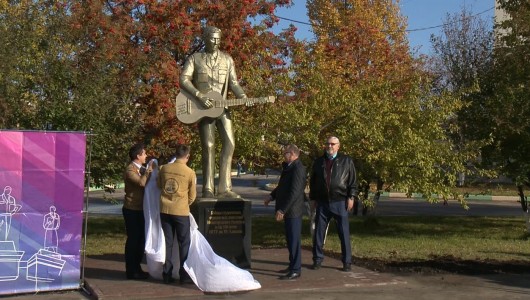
177 182
133 213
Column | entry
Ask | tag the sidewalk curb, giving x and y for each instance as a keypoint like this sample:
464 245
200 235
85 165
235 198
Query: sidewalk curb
417 196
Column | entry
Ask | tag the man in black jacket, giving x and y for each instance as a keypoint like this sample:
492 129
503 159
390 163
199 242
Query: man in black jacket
289 196
333 187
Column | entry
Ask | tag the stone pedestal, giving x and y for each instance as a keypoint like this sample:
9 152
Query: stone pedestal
10 260
226 224
45 266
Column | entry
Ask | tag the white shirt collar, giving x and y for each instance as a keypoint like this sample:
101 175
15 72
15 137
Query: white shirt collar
139 166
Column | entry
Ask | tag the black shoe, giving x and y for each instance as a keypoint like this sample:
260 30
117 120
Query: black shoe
290 276
167 278
138 275
316 265
186 280
346 267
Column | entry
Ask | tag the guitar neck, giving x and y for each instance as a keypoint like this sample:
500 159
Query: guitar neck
235 102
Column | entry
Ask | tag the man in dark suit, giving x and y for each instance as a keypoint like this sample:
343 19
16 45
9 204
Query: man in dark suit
289 196
332 190
133 212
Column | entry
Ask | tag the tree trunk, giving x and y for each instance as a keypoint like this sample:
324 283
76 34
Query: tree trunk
365 190
365 207
377 196
524 205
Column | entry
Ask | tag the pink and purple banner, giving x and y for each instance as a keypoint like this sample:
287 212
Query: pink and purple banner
41 203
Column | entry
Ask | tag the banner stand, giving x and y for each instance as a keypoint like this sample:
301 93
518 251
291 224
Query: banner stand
85 213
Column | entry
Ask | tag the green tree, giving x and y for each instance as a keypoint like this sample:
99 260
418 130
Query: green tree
47 84
508 105
30 63
462 58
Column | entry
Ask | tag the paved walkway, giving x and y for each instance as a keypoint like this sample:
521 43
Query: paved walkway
104 279
104 276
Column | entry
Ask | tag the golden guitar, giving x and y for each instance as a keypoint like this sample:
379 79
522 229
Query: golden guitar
191 110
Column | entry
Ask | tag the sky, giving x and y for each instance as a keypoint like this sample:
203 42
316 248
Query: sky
420 14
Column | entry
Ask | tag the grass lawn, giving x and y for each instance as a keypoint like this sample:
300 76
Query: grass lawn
417 238
384 240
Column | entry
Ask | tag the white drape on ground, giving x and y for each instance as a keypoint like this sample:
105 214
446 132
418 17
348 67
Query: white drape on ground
210 272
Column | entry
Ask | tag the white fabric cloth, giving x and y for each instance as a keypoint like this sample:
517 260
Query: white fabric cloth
155 245
210 272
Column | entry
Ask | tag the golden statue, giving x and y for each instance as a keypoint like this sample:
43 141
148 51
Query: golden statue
204 72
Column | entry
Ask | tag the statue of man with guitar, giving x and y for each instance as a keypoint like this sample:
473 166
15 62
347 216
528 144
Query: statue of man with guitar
204 83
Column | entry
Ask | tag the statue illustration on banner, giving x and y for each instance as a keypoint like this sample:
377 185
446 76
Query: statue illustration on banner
9 256
45 265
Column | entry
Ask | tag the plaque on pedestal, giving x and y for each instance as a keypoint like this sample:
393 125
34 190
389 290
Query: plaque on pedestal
226 224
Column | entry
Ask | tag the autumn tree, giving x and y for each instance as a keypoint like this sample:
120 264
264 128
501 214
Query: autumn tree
112 68
358 81
143 44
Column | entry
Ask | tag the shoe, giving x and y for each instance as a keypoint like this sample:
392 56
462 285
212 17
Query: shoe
138 275
290 276
207 194
346 267
186 280
167 278
228 194
316 265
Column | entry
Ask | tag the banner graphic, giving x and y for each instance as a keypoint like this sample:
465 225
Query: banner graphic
41 203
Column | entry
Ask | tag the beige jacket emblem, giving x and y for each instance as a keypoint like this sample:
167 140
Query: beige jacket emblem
178 186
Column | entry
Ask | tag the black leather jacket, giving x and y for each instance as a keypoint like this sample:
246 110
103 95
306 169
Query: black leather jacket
343 182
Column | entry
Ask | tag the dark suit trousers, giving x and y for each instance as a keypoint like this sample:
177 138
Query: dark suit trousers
293 232
324 213
179 227
135 244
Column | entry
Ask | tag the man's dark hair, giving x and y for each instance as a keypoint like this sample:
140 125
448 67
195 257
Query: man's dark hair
136 150
181 151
